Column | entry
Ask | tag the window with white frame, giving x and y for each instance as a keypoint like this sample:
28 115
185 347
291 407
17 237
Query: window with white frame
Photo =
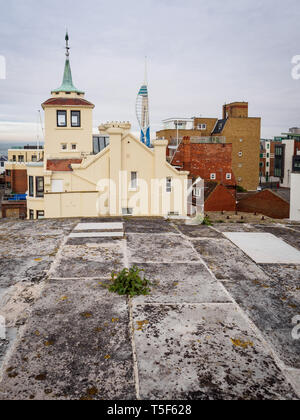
197 192
64 146
213 177
169 185
61 118
75 119
240 154
133 181
201 126
228 177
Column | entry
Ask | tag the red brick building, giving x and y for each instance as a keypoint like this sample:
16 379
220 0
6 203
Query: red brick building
265 202
14 209
16 180
217 197
210 161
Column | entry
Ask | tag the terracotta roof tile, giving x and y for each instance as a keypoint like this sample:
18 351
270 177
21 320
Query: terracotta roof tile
61 165
67 102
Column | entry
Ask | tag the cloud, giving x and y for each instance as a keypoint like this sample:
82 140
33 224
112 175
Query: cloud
201 54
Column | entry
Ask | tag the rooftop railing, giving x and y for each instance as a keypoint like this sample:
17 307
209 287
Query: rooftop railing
199 140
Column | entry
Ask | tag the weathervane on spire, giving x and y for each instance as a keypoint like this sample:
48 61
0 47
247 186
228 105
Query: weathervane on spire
67 44
67 84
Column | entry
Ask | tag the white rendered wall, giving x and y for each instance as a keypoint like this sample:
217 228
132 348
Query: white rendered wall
295 197
288 162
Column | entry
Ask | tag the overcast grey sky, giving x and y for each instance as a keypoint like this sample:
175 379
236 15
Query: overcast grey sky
201 54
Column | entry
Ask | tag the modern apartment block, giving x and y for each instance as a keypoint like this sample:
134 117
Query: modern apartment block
236 127
271 166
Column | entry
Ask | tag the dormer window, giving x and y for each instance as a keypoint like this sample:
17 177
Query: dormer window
75 118
61 118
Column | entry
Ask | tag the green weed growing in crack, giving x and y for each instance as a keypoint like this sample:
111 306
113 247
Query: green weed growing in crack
130 283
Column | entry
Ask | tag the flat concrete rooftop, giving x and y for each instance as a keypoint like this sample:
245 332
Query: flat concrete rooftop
217 325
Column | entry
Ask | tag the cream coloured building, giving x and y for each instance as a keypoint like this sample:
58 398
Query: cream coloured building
124 178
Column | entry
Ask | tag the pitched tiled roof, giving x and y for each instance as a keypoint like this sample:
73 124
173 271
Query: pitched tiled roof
61 165
67 102
209 187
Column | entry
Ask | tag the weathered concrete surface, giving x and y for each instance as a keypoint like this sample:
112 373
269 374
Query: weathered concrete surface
196 231
271 309
203 352
78 337
97 235
33 269
282 232
227 261
27 250
167 248
182 283
264 248
234 227
148 225
99 226
90 259
76 346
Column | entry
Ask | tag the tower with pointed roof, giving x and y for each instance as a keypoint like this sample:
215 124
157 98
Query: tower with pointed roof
68 118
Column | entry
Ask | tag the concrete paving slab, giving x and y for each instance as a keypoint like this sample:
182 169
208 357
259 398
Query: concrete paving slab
182 283
265 248
32 269
234 227
7 343
76 346
99 226
19 245
294 227
85 261
282 232
294 377
203 352
228 262
90 241
97 235
165 248
117 219
38 226
287 276
86 257
148 225
198 231
271 309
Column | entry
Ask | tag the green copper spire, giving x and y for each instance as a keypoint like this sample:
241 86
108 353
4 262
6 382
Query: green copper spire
67 84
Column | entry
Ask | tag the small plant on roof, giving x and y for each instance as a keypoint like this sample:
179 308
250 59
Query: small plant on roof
130 283
206 221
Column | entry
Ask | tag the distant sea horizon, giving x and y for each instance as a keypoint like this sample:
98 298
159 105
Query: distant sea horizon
4 146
